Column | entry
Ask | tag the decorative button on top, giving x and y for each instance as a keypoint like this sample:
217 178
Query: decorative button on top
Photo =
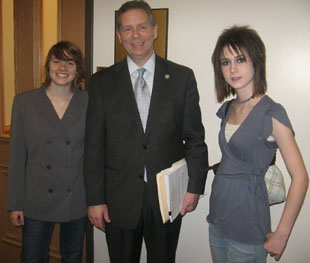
50 190
48 167
68 142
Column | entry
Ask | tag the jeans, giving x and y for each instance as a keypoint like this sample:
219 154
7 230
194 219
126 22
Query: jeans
224 250
37 235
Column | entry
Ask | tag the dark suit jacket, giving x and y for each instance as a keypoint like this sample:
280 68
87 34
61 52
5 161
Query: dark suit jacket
117 149
46 157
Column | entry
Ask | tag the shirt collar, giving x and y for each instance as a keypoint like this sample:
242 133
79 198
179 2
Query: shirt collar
149 65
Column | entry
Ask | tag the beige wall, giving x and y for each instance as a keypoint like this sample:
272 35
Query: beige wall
193 30
49 25
8 57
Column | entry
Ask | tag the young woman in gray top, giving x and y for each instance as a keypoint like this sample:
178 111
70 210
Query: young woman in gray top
253 126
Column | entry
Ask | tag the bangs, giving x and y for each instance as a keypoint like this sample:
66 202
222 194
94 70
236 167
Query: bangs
234 47
62 54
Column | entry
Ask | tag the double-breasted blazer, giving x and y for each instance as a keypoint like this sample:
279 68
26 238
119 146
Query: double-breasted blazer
46 157
117 149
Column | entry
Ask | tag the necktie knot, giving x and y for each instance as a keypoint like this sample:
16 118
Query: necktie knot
140 72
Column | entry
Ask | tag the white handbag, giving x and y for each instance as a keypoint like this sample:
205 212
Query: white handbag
275 185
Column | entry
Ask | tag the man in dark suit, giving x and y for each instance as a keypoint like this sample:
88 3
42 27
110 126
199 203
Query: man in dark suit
125 149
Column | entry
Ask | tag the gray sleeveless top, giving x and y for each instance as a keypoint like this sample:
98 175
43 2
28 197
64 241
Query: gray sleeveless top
239 203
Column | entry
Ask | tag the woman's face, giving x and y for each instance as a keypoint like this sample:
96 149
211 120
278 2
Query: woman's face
62 72
237 68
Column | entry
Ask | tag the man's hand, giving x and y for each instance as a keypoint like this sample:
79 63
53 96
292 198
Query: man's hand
17 218
97 214
189 203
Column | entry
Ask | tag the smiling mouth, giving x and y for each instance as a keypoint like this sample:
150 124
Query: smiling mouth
62 75
137 44
235 78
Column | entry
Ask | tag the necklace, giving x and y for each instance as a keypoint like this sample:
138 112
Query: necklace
244 101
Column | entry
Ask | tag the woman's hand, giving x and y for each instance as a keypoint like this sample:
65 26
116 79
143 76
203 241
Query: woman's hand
275 244
17 218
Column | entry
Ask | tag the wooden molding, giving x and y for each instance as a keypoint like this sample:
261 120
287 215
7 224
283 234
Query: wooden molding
28 44
2 121
37 43
71 25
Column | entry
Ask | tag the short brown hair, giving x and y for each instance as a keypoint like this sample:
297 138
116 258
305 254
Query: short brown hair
65 50
134 5
240 38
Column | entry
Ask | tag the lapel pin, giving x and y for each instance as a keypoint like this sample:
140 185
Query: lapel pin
167 76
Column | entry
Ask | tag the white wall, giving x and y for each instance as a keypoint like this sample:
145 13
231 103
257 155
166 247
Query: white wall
193 30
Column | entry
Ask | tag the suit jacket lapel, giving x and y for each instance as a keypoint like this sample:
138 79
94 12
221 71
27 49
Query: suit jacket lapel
127 97
160 91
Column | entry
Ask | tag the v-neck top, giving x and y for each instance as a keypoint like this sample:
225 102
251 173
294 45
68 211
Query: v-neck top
239 203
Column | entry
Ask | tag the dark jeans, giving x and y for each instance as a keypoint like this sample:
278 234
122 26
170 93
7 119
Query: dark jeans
37 235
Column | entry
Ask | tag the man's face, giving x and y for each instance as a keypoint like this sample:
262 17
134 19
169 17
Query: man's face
137 35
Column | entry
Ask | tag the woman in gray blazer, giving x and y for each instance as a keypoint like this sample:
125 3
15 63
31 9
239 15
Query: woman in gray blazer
45 183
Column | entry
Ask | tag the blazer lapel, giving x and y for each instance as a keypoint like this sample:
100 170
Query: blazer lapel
74 111
47 111
160 91
127 97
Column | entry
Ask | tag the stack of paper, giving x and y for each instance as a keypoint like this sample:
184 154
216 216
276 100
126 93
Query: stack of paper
172 186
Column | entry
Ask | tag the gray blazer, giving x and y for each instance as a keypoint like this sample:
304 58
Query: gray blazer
46 157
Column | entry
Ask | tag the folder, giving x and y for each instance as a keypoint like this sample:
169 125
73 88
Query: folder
172 187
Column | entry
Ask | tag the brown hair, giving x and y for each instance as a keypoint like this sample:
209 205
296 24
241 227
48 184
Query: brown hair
134 5
240 38
65 50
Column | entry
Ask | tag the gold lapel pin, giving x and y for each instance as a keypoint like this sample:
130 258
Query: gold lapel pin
167 76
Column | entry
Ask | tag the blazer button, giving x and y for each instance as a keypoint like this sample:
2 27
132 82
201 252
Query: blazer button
48 141
141 176
50 190
146 146
68 142
69 190
48 167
